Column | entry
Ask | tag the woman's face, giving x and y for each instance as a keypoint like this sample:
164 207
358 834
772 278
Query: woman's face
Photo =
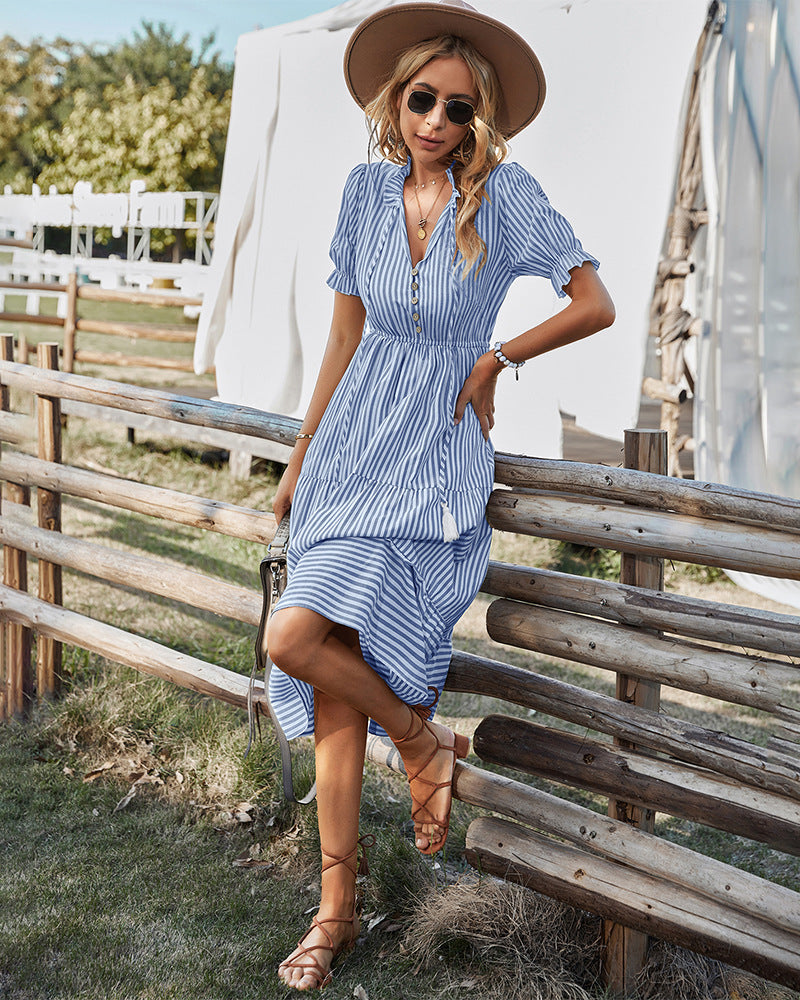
430 138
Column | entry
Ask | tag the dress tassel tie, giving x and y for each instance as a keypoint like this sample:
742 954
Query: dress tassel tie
449 526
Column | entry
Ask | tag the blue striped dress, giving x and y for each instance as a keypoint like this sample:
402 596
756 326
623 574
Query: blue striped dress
387 465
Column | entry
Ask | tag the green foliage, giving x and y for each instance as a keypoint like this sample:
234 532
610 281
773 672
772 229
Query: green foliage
153 55
30 80
585 560
170 141
147 108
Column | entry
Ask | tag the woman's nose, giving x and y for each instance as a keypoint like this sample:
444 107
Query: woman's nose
437 116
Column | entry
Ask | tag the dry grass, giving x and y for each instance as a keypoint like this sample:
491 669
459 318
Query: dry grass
506 942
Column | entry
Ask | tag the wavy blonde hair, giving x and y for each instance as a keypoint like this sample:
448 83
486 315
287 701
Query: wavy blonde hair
481 149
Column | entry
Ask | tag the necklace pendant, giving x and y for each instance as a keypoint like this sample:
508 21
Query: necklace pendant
421 233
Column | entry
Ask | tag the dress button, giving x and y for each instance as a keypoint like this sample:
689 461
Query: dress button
415 317
419 329
414 285
414 301
414 270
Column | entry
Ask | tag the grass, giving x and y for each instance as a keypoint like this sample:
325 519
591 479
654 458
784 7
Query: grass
143 856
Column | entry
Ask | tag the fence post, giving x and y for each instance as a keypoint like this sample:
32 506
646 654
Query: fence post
48 651
70 321
624 949
18 672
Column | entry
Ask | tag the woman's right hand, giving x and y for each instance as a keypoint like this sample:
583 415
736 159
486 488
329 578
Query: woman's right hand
284 494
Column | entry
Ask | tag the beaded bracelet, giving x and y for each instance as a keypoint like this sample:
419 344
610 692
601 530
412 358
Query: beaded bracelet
498 353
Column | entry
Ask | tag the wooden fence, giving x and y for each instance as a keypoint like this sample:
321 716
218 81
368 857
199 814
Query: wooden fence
612 865
72 324
241 448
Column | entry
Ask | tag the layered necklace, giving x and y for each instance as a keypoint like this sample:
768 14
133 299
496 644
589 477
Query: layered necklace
423 219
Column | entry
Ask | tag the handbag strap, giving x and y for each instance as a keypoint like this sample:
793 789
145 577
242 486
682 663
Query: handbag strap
273 582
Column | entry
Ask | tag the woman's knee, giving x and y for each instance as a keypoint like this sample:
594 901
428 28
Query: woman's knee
290 642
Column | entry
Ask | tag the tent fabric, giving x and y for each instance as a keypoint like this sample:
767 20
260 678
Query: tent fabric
748 386
602 148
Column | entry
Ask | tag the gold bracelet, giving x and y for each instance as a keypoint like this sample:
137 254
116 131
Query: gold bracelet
299 437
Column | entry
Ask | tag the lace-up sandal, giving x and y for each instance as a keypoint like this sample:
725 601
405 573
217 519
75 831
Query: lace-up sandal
311 966
423 789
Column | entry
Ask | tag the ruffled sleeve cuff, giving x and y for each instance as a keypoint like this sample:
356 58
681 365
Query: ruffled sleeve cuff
560 275
339 281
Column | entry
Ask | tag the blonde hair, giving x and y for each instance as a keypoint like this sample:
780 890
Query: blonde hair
481 149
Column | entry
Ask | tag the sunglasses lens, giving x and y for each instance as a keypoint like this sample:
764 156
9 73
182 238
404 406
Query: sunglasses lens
459 112
420 102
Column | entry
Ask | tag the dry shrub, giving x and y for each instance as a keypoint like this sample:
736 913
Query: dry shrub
509 942
675 973
679 974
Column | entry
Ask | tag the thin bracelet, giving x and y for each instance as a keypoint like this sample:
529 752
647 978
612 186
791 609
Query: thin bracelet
498 353
299 437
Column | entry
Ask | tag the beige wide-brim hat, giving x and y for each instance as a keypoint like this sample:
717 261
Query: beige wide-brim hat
377 42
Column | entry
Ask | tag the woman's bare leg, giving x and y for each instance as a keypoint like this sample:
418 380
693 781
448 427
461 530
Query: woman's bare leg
308 646
340 742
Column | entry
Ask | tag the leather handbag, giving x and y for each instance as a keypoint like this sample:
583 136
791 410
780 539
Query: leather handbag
273 573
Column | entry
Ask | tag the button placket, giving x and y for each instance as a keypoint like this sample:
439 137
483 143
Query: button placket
415 297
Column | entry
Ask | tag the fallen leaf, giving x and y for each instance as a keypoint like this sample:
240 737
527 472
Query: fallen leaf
377 919
359 993
97 771
251 860
124 802
148 779
179 777
68 771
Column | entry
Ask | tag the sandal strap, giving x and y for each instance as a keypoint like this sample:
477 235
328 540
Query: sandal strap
313 967
358 865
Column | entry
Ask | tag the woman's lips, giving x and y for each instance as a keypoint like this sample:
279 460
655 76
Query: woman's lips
429 143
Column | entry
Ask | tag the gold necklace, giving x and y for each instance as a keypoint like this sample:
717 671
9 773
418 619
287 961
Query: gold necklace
421 187
423 222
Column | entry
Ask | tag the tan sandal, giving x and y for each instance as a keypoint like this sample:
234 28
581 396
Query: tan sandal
312 967
420 813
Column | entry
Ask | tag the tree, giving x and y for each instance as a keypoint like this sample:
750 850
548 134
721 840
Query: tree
115 101
171 141
30 81
154 54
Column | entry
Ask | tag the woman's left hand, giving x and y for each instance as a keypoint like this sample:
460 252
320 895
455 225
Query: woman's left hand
478 390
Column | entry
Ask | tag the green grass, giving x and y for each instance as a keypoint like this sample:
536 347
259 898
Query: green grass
145 900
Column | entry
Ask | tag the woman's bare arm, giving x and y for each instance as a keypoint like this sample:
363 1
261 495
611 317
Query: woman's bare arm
590 310
347 327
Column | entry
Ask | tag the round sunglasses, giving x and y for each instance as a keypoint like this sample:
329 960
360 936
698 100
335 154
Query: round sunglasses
421 102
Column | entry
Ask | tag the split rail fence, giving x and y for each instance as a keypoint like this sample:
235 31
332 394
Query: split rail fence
241 449
631 750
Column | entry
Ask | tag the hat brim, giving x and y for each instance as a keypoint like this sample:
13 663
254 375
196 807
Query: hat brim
377 42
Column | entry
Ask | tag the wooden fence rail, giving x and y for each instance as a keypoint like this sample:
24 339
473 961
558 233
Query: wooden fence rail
72 324
615 865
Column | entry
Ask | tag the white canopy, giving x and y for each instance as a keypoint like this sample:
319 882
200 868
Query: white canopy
603 148
747 407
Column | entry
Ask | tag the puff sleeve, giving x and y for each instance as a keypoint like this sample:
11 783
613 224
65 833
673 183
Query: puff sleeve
538 240
343 247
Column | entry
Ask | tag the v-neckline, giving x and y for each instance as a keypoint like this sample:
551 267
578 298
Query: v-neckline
446 208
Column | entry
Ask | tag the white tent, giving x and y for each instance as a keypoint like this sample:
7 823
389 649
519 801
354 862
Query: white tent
747 405
603 148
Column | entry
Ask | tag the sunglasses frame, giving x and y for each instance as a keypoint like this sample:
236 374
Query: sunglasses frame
447 104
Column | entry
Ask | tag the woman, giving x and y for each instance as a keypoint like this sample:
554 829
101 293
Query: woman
393 466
